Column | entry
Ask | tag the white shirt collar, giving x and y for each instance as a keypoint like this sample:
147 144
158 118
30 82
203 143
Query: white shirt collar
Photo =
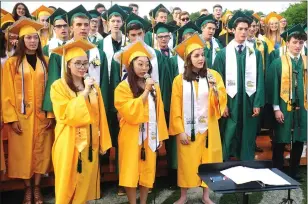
236 44
292 56
60 41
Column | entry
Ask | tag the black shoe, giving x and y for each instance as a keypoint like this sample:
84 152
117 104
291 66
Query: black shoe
258 149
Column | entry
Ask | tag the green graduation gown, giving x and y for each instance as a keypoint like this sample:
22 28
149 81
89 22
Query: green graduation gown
54 73
282 132
239 130
208 52
170 74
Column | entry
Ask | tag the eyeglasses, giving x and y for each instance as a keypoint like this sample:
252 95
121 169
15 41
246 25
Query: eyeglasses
163 36
61 26
184 19
78 65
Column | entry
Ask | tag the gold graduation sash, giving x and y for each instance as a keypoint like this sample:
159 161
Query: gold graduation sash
286 80
260 47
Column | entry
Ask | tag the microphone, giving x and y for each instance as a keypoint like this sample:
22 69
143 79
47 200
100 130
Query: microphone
87 75
146 76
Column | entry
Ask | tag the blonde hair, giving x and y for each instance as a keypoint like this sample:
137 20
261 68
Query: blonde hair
269 33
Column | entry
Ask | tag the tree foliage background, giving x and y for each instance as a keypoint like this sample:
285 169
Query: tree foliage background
296 13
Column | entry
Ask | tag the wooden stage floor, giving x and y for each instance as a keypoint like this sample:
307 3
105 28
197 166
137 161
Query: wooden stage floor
108 170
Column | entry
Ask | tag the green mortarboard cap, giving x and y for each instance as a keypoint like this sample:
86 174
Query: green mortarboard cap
201 16
135 19
114 10
77 12
189 27
126 9
163 28
237 15
94 13
204 20
57 15
293 30
154 11
253 18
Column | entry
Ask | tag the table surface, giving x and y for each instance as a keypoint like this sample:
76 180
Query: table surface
228 186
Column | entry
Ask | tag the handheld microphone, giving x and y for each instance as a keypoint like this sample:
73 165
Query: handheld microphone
87 75
146 76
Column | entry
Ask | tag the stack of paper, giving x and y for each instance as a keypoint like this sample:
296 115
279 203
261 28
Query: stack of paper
240 175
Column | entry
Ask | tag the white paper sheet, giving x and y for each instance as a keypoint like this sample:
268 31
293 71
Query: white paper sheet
240 175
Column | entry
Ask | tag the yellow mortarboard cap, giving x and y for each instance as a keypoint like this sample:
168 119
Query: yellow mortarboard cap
25 26
42 11
3 12
130 52
224 18
7 18
272 15
257 16
74 49
189 45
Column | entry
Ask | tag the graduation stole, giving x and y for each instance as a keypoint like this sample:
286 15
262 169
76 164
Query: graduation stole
154 63
260 47
232 69
108 49
95 63
215 49
195 107
24 67
149 130
52 44
180 64
286 80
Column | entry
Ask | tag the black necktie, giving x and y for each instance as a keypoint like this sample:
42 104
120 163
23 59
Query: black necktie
240 47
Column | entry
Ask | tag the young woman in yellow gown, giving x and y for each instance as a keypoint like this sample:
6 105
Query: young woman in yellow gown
31 131
81 132
197 102
142 124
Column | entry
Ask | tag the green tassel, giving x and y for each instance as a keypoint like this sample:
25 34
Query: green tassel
79 165
90 154
143 154
193 136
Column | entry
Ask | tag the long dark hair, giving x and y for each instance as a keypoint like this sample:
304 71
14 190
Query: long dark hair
3 41
20 52
132 78
69 79
188 74
14 12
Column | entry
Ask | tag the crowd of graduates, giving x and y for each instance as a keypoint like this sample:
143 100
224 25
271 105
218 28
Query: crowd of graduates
74 84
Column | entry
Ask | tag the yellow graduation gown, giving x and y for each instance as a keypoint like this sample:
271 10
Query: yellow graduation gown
74 114
192 155
133 113
271 44
29 152
2 160
44 40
